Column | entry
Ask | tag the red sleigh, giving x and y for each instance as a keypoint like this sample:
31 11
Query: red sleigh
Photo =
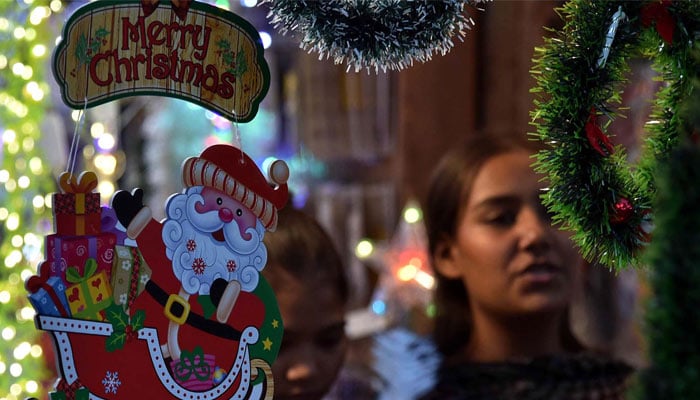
76 304
230 360
140 370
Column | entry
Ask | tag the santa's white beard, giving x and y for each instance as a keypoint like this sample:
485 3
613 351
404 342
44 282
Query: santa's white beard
198 259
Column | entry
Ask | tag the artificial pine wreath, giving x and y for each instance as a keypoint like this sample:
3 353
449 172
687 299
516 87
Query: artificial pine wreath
672 317
374 34
580 74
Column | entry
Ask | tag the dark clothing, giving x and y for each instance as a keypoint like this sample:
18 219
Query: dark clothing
581 377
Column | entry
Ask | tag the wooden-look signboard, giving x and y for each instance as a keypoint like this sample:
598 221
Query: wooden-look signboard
117 48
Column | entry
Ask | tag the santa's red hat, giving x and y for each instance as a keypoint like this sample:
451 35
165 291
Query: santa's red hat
229 170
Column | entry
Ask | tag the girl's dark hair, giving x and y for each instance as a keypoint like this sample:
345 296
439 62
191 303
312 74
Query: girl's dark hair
449 189
304 249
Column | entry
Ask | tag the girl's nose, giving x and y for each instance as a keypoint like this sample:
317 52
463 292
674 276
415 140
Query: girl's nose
225 215
534 231
300 371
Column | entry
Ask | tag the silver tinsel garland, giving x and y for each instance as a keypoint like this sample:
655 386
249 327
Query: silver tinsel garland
374 34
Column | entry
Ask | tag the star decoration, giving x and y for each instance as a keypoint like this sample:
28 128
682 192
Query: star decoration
267 344
275 323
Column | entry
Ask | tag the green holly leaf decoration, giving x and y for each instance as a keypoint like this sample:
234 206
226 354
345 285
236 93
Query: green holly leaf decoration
138 319
241 65
224 44
102 33
117 317
81 50
123 327
115 341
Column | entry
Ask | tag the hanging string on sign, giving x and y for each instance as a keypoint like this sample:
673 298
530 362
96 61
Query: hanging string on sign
73 152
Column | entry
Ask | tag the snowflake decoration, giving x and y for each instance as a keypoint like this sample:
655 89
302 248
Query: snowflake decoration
123 298
111 382
145 278
191 245
198 266
126 265
231 265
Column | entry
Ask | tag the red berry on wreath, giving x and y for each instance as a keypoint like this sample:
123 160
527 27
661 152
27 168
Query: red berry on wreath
622 211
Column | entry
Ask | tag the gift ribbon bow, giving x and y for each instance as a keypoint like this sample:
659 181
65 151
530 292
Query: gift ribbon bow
85 183
657 12
192 363
180 7
69 389
73 276
40 281
596 137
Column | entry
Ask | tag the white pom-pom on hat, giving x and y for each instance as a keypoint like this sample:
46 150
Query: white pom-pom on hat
278 172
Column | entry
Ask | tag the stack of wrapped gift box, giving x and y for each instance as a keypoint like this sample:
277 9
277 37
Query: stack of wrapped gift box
87 265
74 280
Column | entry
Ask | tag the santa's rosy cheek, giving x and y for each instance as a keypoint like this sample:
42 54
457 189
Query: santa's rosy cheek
203 207
244 218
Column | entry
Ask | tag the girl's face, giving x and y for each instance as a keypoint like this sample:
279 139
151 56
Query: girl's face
314 343
510 258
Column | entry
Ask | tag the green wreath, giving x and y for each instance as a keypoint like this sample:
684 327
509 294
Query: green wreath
579 74
373 34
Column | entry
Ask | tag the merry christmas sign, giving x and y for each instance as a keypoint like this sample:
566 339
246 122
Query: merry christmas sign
188 50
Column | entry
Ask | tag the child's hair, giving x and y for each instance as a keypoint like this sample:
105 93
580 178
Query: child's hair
302 247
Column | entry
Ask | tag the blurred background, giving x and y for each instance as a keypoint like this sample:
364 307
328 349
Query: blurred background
360 146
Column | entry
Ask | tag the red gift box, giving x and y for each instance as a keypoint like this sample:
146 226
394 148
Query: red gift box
73 251
77 211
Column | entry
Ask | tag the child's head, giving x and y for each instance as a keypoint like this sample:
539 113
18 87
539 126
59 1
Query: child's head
307 275
496 255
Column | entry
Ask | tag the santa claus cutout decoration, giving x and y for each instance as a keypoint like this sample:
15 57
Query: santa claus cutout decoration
146 309
185 313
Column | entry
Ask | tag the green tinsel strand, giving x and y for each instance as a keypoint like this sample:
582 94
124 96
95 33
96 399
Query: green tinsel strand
585 185
373 34
673 312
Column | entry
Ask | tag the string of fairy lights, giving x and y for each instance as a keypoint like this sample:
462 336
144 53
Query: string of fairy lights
27 37
25 181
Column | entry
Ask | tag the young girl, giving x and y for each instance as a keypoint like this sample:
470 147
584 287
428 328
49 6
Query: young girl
505 282
307 276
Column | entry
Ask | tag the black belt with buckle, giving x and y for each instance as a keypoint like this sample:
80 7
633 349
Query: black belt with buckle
177 310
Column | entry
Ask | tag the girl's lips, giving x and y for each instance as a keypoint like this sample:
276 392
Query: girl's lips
540 273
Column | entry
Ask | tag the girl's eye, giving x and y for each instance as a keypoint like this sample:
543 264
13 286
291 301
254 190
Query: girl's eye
330 338
219 201
502 219
239 212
